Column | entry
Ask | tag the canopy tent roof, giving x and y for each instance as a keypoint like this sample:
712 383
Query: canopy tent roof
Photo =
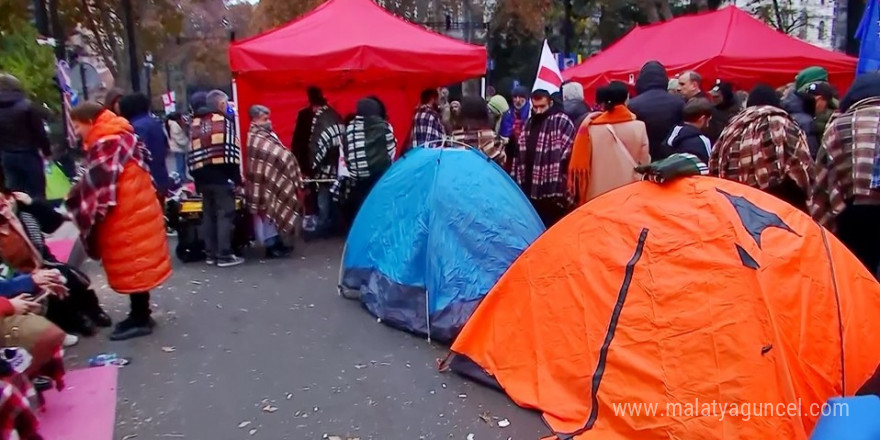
360 38
728 44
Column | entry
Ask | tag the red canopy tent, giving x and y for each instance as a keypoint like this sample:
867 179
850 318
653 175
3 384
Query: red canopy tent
350 49
728 44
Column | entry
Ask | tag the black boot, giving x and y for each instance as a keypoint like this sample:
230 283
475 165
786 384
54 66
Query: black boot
138 323
93 310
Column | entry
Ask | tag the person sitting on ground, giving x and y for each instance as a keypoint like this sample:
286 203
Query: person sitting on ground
608 147
120 220
369 149
764 148
475 129
688 137
272 180
428 125
21 327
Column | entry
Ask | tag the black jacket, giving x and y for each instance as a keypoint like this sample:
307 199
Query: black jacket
576 110
21 124
656 107
299 145
796 107
686 138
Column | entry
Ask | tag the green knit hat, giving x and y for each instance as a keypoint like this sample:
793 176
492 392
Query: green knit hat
809 75
498 105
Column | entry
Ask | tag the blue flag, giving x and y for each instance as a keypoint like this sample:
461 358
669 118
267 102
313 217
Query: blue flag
869 35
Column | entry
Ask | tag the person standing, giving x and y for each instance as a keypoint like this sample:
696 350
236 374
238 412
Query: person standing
498 107
369 150
574 104
178 142
824 106
608 147
846 197
475 129
725 106
214 162
656 107
540 165
764 148
119 218
688 137
513 121
326 142
149 129
272 178
428 125
23 140
690 85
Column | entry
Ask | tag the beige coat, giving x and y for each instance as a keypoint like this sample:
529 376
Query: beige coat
610 167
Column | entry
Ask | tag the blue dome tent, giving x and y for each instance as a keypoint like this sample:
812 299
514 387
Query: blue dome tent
433 236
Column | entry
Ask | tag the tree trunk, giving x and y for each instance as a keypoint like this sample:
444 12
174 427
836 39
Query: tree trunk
649 8
778 14
665 10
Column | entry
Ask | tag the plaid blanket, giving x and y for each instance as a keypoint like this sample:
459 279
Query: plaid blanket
214 141
272 179
761 147
427 127
362 149
92 197
544 176
846 162
673 167
485 140
329 137
17 418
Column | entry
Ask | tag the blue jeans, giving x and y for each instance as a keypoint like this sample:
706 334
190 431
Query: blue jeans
180 165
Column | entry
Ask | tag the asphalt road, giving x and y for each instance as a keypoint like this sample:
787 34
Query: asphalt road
268 350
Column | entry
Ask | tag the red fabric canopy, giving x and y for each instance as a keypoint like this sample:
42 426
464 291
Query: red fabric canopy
350 49
728 44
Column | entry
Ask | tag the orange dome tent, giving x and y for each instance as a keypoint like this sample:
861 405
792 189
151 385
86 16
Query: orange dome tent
699 291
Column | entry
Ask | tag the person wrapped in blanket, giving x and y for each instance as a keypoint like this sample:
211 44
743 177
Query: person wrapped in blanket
475 129
78 311
368 151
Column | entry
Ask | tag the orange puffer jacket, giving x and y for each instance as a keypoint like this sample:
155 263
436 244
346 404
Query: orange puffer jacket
131 240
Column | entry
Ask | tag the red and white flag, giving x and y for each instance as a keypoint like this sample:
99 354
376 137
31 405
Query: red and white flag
548 78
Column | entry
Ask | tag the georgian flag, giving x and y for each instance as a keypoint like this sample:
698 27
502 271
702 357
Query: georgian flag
548 78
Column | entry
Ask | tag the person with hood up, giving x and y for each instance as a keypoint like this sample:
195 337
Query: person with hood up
150 131
214 163
688 137
369 150
23 140
540 165
513 121
272 179
846 197
498 106
764 148
573 103
120 220
608 147
725 106
655 106
475 129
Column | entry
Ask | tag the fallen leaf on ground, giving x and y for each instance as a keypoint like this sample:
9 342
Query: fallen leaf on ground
270 409
470 437
169 349
462 395
252 431
244 424
289 396
487 418
504 423
197 283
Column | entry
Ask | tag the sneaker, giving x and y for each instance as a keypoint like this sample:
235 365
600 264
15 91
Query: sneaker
232 260
130 328
70 341
210 261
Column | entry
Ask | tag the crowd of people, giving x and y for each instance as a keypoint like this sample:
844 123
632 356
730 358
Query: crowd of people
803 143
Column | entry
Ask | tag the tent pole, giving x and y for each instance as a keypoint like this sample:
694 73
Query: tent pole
483 87
428 314
238 127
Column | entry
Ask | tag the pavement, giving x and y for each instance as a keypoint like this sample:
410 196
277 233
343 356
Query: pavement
268 350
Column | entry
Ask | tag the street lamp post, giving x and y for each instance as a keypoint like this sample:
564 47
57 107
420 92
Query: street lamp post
148 66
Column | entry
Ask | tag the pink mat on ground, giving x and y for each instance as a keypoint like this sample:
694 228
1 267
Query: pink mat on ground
61 248
85 410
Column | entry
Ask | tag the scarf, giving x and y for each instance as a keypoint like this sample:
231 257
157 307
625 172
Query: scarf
369 146
582 152
761 148
676 166
273 178
110 146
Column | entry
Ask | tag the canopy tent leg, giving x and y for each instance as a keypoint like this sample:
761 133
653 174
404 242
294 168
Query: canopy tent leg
483 87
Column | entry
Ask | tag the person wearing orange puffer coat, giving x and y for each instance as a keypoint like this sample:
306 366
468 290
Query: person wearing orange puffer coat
119 218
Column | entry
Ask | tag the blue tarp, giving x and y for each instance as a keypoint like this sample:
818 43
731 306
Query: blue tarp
434 235
849 418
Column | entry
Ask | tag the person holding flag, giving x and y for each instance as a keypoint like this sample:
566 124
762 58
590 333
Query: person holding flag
539 166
